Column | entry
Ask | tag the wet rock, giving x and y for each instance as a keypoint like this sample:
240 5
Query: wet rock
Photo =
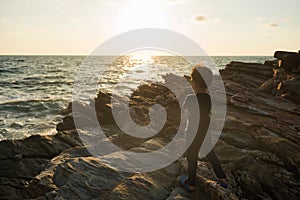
67 124
67 110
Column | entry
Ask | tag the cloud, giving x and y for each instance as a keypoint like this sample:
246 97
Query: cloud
200 18
273 25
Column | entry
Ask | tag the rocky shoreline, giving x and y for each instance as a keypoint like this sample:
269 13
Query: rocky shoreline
259 147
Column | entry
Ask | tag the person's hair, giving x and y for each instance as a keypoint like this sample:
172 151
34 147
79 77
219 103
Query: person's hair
202 76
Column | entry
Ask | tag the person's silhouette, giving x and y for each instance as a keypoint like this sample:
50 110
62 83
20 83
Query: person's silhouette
201 77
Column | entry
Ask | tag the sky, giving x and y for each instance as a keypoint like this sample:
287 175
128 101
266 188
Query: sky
76 27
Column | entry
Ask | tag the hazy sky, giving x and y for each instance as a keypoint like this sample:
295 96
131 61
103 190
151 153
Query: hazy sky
221 27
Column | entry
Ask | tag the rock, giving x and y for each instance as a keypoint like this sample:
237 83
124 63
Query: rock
75 174
67 110
179 194
250 74
291 64
258 147
290 61
256 127
22 160
26 168
282 55
285 81
271 85
251 68
228 153
66 124
37 146
253 175
272 63
213 190
290 89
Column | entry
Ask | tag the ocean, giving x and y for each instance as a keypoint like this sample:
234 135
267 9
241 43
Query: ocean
34 89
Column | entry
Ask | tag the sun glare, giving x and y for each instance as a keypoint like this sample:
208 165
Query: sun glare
142 13
140 59
143 58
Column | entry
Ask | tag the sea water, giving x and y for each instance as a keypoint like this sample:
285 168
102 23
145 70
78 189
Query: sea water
34 89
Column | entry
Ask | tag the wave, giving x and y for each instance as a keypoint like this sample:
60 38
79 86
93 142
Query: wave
35 82
48 106
7 71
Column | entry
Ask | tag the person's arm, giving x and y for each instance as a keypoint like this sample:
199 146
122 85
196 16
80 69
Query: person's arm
185 111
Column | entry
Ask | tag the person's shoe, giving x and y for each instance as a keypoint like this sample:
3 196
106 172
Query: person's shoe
223 183
183 182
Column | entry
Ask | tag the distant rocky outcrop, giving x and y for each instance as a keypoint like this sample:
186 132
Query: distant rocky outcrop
285 81
259 147
289 61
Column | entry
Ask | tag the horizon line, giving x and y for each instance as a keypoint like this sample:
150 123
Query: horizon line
86 55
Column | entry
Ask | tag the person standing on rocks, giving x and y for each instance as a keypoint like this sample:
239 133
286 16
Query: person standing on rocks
199 86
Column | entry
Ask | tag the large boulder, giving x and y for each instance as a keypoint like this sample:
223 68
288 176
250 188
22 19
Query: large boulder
22 160
290 61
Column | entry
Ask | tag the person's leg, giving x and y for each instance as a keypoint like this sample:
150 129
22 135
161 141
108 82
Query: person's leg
213 159
192 158
192 168
189 182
